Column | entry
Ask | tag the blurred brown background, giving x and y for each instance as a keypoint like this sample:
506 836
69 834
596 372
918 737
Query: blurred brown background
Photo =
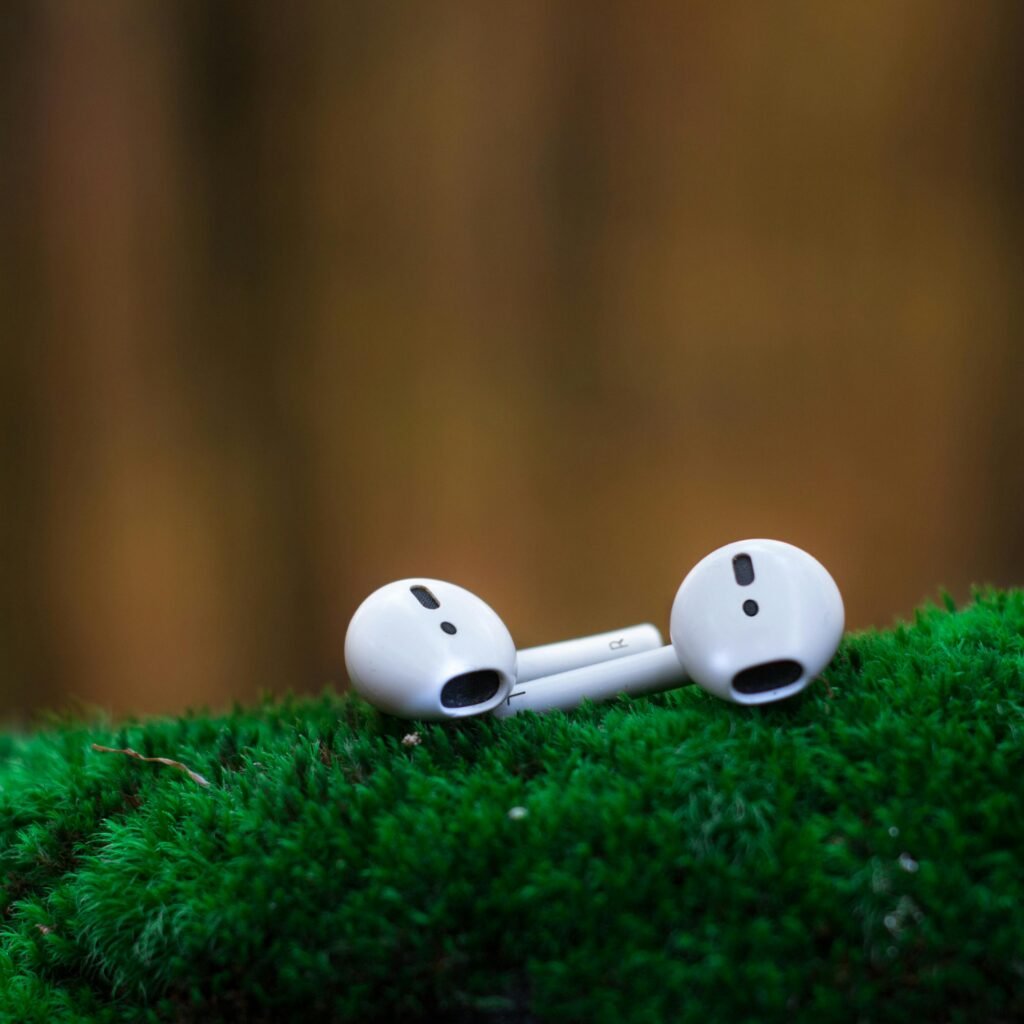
549 299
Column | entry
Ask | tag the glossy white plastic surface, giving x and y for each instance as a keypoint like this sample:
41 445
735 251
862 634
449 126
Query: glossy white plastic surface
793 622
551 659
400 658
638 674
799 619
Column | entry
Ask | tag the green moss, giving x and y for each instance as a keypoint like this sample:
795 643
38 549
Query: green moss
853 854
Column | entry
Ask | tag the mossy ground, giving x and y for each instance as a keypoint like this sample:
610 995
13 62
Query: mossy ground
851 855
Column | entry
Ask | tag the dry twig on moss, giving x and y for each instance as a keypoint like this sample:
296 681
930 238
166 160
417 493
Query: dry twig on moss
194 776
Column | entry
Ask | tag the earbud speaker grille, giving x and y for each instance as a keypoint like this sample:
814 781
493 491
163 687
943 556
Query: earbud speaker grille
770 676
470 688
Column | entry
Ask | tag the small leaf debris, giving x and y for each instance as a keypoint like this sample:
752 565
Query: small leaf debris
128 752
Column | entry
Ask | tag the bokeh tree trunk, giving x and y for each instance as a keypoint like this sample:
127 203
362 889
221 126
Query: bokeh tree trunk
548 300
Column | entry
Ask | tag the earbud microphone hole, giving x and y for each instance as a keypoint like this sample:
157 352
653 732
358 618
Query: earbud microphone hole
751 608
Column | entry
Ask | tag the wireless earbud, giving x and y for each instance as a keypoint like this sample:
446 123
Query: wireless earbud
753 622
426 649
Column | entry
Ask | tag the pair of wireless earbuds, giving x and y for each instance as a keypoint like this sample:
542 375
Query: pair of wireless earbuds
753 622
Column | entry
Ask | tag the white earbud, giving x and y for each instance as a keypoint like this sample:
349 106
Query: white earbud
426 649
753 622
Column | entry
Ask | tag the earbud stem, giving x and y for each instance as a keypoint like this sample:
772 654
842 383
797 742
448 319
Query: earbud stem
552 659
647 672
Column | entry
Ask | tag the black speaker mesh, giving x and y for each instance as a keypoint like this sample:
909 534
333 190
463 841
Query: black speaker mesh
769 676
470 688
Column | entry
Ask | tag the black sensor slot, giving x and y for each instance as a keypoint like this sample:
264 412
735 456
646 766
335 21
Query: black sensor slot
425 597
743 570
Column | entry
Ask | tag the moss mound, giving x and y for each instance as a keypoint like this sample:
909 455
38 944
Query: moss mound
853 854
